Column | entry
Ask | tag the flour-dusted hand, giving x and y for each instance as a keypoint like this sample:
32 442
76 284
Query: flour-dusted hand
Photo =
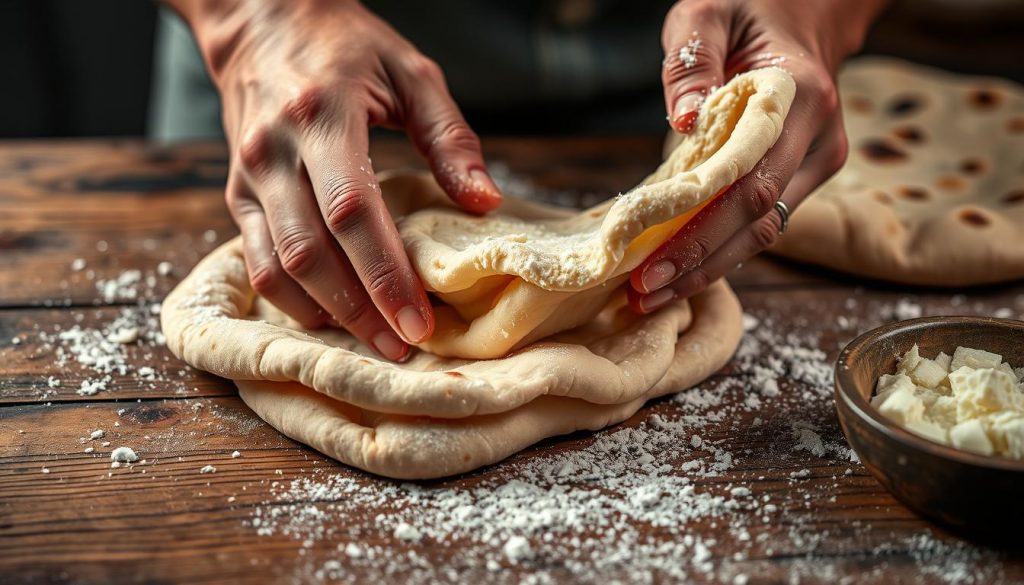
301 83
706 43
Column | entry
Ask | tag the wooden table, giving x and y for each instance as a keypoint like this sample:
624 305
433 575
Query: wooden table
76 214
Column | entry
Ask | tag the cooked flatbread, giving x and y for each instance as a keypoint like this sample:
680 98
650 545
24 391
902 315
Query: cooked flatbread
533 335
933 189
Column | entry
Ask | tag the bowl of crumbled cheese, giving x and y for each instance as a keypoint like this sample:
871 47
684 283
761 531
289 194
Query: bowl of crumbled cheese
934 407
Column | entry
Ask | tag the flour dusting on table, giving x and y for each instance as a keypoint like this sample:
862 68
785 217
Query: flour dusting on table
629 503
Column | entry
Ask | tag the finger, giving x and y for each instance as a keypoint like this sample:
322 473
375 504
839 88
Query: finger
696 41
350 204
266 275
441 134
310 255
816 168
749 198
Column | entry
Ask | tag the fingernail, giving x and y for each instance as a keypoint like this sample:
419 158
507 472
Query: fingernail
656 299
685 113
390 346
480 177
411 323
658 275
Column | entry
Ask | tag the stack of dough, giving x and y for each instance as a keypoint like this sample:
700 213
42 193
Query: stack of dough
933 190
533 336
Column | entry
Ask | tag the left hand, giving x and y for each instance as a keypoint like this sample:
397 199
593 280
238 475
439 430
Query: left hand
720 39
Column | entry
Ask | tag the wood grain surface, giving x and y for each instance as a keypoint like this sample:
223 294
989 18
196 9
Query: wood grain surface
66 516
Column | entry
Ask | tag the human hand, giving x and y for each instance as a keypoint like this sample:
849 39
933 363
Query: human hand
301 83
707 42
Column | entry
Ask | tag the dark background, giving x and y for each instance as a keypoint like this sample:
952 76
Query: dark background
83 67
75 67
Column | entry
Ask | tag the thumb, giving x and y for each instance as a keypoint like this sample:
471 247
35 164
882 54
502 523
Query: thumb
695 42
441 134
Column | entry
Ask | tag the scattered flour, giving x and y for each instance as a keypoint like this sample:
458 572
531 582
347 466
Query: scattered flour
670 498
123 455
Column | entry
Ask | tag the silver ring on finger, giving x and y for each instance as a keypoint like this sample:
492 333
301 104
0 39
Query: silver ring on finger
783 216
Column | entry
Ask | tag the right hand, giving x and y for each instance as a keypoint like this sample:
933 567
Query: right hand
301 83
707 42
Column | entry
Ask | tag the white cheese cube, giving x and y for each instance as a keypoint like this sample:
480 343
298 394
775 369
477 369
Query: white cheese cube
1010 433
980 392
960 380
902 406
1000 428
928 396
909 361
927 373
1020 374
1008 369
970 436
888 384
944 360
974 358
929 430
942 411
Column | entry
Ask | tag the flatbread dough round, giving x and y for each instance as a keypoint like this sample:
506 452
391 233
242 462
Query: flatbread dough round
434 416
533 335
933 190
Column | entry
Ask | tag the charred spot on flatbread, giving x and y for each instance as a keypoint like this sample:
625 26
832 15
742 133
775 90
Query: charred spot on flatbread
984 99
951 183
973 166
860 104
905 105
974 217
881 151
911 134
913 193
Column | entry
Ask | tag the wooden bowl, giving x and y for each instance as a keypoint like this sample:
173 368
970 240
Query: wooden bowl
970 492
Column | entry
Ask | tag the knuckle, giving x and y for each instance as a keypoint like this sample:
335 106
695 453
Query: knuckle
696 251
696 281
766 232
298 251
701 248
676 72
347 204
353 313
454 133
382 276
421 66
821 91
265 277
764 194
307 108
256 151
237 204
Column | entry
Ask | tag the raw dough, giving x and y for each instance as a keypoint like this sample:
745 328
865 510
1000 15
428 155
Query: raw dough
933 190
533 336
528 271
434 416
